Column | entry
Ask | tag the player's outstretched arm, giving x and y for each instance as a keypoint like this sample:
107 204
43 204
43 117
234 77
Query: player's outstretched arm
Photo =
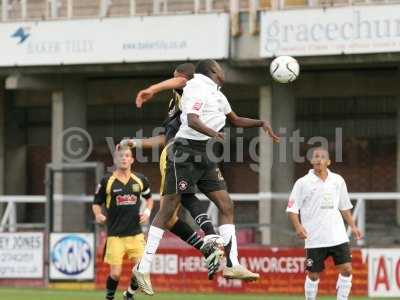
195 123
147 94
252 123
348 218
146 143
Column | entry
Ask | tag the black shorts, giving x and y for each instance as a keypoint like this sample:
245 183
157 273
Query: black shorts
189 165
316 257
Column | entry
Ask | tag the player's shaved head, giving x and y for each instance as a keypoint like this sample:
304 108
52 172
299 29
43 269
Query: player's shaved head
186 69
210 68
206 67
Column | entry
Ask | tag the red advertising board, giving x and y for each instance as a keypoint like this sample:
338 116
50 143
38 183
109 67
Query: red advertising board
281 270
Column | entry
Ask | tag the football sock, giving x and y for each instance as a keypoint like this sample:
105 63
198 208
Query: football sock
343 287
111 286
187 234
193 205
132 287
311 288
228 233
153 240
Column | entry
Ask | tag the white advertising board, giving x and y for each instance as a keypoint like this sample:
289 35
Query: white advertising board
346 30
21 255
115 40
384 273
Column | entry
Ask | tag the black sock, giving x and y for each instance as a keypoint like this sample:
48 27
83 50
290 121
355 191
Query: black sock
132 287
111 288
187 234
227 250
193 205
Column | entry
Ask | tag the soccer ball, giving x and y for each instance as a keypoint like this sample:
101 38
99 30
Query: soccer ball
284 69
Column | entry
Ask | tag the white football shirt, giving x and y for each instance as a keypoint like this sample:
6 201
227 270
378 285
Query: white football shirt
319 204
202 96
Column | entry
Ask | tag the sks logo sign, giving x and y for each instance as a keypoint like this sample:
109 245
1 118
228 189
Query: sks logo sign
71 255
21 34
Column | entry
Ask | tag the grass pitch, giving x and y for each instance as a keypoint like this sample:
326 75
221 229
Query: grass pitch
47 294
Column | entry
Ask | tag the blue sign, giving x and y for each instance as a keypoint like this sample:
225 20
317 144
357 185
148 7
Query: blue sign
71 255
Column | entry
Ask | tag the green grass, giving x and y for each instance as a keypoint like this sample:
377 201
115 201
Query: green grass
45 294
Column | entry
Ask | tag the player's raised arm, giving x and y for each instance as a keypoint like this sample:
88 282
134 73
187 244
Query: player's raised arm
145 143
182 74
147 94
251 123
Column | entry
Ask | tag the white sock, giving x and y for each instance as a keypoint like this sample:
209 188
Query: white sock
228 233
343 287
311 289
153 240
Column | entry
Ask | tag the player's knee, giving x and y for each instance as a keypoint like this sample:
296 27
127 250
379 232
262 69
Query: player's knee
313 276
115 274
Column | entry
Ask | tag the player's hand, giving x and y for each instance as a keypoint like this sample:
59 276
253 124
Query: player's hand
101 219
219 136
143 96
145 216
268 130
301 232
356 233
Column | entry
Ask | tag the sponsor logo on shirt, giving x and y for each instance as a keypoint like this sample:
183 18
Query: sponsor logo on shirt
126 200
117 190
136 188
197 105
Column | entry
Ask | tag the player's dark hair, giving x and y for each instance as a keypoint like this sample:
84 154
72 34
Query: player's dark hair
205 67
186 69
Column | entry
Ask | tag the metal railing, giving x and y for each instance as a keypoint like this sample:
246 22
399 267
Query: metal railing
29 10
8 220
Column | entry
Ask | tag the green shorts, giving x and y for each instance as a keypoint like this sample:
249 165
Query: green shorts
188 166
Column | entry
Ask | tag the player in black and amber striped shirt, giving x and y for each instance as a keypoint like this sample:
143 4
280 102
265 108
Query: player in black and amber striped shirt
121 194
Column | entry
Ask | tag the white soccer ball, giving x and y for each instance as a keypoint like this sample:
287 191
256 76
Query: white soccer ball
284 69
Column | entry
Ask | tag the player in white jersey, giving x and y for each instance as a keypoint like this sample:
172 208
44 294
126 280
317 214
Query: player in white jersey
204 113
321 201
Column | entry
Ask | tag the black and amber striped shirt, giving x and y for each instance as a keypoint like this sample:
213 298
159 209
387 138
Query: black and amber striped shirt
173 121
122 202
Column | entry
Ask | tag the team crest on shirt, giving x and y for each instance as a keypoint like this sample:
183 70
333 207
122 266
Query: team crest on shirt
136 188
126 200
309 262
183 185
